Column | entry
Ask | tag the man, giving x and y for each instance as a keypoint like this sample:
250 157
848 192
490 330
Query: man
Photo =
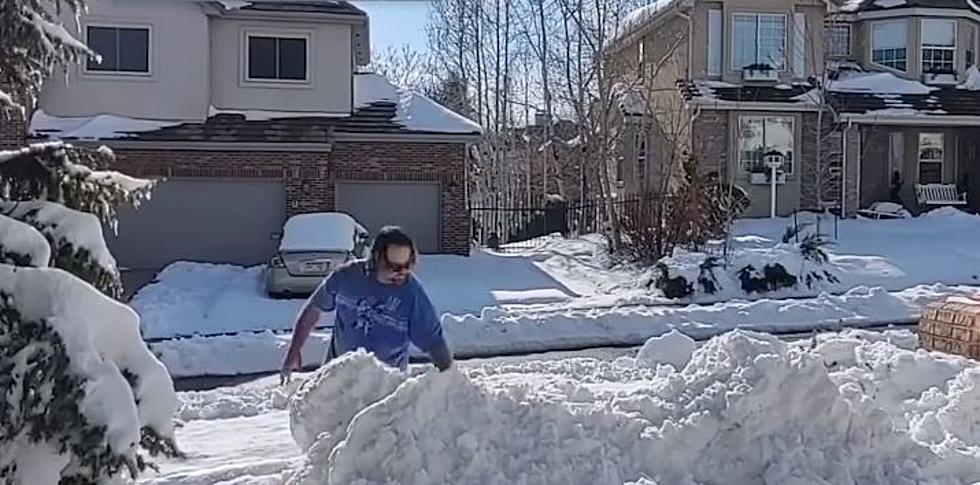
379 306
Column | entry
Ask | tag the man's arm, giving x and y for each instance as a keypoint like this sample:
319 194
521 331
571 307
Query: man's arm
322 300
425 331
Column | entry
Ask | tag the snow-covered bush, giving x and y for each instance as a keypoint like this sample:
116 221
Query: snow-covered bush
785 267
82 399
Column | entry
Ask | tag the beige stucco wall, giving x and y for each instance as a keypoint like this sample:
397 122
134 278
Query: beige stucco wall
175 89
329 68
813 37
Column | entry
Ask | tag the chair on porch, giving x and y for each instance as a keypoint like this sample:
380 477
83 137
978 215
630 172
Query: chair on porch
939 194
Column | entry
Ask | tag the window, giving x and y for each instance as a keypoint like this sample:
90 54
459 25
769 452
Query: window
896 152
642 57
276 58
888 44
640 148
123 49
837 36
715 35
938 45
931 154
971 45
759 40
758 135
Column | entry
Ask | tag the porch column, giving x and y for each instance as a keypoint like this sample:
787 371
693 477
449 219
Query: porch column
852 170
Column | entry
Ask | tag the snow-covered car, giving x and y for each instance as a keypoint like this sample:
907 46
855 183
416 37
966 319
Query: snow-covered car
312 245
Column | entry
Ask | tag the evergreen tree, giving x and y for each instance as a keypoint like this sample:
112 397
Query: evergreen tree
83 398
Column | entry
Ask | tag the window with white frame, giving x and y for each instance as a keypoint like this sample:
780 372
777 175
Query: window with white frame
837 36
642 58
122 49
938 45
971 45
276 58
640 149
759 135
759 39
888 44
931 157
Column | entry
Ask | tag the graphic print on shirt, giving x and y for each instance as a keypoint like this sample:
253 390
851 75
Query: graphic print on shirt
374 313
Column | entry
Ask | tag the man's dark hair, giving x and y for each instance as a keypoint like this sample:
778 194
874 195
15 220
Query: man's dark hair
391 236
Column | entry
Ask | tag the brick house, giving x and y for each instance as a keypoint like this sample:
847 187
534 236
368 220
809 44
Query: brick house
255 111
894 84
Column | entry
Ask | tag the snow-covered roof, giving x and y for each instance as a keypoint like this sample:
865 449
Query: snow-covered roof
871 5
320 231
639 18
877 82
102 126
414 111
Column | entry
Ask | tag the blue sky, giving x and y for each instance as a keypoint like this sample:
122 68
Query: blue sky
396 22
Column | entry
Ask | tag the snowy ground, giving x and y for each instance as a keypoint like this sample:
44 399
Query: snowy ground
564 294
746 408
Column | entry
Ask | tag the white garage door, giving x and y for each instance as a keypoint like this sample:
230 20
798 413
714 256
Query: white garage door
413 206
217 221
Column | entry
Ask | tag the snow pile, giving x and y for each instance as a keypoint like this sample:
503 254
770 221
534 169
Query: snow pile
98 127
326 402
320 231
747 408
972 81
21 240
854 5
102 340
672 348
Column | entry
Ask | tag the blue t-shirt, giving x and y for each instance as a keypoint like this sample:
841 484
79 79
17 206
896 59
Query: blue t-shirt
379 318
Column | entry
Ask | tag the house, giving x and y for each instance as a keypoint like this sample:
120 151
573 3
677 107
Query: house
910 97
255 111
726 82
850 98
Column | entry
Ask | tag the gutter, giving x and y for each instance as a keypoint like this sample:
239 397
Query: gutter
911 120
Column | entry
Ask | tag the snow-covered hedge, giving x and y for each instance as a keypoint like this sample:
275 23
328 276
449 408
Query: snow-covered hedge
785 269
83 394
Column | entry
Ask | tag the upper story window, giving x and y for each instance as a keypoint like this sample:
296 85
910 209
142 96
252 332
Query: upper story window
938 45
123 49
640 148
838 39
759 39
276 58
642 58
888 44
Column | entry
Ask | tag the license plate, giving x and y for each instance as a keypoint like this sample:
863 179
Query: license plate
315 267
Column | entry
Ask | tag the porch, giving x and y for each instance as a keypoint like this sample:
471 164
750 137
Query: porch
896 158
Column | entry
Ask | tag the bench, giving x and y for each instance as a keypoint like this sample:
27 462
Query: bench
939 194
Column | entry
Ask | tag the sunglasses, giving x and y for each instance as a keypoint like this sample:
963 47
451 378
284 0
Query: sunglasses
399 268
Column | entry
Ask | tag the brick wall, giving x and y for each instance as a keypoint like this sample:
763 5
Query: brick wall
852 149
12 130
808 162
710 140
309 177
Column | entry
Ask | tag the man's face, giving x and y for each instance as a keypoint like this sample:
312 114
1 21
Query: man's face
395 265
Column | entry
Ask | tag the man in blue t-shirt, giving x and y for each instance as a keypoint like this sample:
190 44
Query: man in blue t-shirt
379 307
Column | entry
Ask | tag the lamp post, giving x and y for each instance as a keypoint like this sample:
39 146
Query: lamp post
773 160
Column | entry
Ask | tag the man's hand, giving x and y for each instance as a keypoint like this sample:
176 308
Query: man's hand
293 362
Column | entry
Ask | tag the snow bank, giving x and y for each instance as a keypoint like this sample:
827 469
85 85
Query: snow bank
102 339
327 401
747 408
19 239
672 348
319 231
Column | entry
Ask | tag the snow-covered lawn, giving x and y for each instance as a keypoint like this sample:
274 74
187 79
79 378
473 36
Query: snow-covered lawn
846 408
564 294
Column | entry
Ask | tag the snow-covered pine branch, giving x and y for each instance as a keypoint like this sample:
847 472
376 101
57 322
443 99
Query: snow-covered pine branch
34 41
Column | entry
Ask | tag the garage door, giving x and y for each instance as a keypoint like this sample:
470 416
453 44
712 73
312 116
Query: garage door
413 206
218 221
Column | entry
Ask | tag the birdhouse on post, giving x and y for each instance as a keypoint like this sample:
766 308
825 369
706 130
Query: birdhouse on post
773 160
